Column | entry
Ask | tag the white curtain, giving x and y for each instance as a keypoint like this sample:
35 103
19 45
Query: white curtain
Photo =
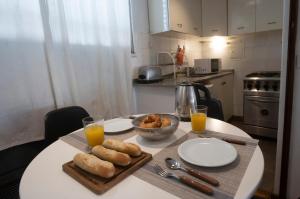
56 53
24 82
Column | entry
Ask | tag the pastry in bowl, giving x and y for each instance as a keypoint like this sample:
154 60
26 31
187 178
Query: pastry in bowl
155 121
156 126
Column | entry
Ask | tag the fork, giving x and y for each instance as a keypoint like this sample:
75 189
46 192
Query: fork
183 179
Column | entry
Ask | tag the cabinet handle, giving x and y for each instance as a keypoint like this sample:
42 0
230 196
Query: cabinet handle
223 83
195 28
241 27
272 22
215 30
179 25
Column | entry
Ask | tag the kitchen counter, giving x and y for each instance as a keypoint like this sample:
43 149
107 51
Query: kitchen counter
171 82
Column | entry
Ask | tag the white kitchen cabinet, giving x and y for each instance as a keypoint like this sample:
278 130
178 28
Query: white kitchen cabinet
194 17
154 99
268 15
223 90
214 18
175 15
241 16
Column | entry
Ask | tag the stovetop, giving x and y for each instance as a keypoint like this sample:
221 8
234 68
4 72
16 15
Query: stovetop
262 81
264 74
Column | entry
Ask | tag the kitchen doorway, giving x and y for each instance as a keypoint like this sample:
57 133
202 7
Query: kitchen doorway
276 182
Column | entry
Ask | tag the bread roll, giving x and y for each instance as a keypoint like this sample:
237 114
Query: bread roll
118 145
165 122
113 156
94 165
155 121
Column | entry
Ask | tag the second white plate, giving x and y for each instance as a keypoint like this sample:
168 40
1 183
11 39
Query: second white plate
117 125
207 152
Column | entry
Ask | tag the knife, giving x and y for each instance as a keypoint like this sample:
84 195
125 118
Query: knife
234 141
229 140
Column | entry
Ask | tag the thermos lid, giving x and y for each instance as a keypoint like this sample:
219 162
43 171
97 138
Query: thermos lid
185 84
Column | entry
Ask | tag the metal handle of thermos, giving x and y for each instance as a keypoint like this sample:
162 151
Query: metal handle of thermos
209 85
202 87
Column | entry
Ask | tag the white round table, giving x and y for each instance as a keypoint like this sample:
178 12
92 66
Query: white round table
44 177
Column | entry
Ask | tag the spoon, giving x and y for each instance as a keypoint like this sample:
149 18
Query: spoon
174 164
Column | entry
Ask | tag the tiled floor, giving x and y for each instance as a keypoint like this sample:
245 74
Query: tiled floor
268 147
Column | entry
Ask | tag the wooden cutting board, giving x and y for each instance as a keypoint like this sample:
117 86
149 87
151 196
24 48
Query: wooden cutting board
99 185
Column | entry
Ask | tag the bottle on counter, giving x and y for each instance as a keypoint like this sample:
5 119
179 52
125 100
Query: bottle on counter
180 55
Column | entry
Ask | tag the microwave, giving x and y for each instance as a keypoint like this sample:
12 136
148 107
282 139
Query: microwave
206 66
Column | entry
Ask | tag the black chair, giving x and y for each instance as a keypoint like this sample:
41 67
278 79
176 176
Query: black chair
62 121
214 105
14 161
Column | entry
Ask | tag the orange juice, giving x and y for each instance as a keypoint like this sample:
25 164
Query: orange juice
198 122
94 134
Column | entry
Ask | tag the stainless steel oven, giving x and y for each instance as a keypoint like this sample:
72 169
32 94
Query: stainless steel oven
261 111
261 103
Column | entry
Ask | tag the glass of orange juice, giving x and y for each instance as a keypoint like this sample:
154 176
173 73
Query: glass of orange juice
198 118
94 130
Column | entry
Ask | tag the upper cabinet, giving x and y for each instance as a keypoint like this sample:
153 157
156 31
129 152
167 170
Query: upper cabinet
241 16
214 18
268 15
175 15
193 7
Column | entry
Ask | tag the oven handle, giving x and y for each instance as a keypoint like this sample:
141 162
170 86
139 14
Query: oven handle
262 99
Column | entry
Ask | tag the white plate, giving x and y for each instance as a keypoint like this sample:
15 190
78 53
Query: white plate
207 152
117 125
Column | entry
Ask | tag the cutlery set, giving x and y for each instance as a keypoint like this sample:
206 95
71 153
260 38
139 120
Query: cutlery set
185 180
175 165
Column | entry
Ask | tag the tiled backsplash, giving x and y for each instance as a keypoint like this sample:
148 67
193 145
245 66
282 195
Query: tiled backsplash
244 54
148 46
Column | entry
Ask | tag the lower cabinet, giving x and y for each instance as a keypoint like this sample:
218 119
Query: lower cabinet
222 89
154 99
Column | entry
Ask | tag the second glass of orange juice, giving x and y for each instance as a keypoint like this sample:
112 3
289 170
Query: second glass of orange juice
94 130
198 118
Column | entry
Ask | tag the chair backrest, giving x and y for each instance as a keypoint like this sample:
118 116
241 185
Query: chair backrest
62 121
215 109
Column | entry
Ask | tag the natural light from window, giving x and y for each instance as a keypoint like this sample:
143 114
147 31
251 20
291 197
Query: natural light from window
80 21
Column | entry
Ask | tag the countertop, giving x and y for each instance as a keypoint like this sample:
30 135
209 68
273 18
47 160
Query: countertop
171 82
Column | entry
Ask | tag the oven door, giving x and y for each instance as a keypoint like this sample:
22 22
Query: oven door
261 111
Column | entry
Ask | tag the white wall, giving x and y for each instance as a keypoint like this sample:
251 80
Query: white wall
255 52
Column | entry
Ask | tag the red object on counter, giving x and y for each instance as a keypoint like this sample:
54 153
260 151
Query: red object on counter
180 55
